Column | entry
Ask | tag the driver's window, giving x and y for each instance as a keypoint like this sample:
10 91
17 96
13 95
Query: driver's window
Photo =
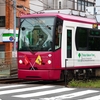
58 33
38 36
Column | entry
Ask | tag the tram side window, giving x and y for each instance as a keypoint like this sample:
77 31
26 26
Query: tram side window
69 43
87 39
58 34
94 40
81 38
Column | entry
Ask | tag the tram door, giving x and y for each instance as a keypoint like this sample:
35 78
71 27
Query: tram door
69 47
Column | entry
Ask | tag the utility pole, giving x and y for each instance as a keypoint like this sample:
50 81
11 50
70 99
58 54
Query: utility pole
14 20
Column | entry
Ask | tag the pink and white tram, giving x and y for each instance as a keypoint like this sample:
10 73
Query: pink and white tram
50 43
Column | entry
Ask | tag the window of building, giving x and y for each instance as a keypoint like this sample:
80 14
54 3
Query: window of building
82 4
2 51
60 5
2 21
2 47
90 4
79 5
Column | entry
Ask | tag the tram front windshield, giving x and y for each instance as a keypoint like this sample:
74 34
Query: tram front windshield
36 34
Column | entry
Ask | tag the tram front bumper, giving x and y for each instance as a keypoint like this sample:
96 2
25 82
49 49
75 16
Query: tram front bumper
39 74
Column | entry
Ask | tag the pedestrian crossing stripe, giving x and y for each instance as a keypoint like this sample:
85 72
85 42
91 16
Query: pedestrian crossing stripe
48 92
44 92
92 98
23 89
71 95
11 86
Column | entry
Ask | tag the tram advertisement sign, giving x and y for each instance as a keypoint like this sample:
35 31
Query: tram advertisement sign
86 57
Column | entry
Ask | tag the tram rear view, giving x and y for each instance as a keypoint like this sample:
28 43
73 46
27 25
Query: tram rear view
39 47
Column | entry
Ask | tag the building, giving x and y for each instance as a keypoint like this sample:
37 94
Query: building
7 23
79 5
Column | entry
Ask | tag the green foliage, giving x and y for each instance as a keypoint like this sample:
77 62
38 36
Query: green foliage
85 84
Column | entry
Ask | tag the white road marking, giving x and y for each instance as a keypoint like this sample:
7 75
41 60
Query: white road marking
24 89
71 95
92 98
43 93
11 86
10 89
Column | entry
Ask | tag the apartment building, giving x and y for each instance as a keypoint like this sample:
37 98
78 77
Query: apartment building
79 5
72 4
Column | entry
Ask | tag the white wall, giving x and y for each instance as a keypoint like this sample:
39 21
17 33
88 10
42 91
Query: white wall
2 30
2 8
35 5
51 3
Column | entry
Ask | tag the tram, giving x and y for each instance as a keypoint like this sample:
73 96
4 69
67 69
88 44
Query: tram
51 45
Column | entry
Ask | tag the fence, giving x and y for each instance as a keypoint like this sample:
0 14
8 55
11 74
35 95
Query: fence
8 64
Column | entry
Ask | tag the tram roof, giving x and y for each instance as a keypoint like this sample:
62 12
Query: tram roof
64 17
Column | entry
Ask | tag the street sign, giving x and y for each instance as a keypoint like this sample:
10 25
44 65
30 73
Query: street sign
11 38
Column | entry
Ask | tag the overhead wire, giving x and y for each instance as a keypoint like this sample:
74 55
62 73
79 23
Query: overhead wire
48 6
29 8
44 4
35 5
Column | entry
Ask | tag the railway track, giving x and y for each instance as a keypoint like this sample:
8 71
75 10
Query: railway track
9 80
15 80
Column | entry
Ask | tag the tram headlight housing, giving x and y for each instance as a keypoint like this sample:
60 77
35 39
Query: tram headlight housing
20 61
49 61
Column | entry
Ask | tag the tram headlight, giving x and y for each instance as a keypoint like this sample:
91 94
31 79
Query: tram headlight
49 61
20 61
